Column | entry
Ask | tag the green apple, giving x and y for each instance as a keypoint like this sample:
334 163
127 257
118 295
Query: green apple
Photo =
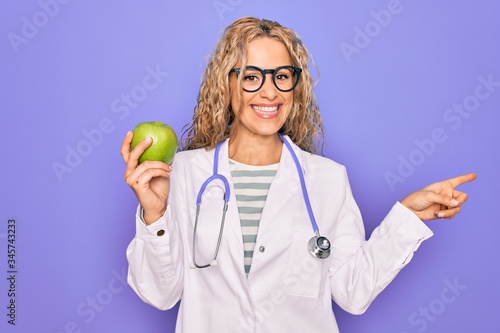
164 144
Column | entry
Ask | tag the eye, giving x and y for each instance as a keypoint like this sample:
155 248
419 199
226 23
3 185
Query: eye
283 74
251 78
282 77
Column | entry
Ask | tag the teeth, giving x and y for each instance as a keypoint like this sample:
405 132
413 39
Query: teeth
263 109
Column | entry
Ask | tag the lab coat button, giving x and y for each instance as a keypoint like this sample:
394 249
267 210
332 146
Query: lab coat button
262 249
160 232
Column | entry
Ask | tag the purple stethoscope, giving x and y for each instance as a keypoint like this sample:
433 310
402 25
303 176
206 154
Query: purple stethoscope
319 246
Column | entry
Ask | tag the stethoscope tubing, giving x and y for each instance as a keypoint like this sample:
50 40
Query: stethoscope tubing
227 192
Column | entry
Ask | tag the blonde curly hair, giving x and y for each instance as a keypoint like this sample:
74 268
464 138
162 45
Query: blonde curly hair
213 116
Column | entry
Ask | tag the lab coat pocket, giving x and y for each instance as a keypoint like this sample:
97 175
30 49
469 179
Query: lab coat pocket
305 273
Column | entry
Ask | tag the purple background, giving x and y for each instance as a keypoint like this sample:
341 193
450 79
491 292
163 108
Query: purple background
67 66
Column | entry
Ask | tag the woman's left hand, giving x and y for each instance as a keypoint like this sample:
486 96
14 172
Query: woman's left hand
438 200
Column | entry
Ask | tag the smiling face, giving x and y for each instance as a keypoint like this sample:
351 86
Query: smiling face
261 113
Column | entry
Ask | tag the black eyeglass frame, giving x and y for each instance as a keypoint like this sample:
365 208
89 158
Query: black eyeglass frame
264 72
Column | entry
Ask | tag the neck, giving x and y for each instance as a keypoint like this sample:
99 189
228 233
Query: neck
256 150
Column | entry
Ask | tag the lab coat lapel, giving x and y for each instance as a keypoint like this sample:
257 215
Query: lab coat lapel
285 184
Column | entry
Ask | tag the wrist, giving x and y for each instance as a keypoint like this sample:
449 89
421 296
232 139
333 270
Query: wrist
405 204
151 217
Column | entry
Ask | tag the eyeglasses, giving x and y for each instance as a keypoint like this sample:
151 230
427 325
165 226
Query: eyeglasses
285 78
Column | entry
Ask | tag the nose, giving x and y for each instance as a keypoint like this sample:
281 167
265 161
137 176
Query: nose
268 89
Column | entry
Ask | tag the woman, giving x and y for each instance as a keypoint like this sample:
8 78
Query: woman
256 100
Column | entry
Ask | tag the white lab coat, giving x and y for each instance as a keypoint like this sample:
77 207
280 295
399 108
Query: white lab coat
287 289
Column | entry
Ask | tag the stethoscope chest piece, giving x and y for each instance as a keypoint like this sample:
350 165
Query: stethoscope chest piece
319 247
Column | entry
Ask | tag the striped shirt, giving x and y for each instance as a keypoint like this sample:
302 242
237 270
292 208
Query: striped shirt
251 185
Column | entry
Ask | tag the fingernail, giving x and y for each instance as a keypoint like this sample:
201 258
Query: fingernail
129 132
149 139
454 202
440 214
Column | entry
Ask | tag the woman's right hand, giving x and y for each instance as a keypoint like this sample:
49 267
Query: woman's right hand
149 180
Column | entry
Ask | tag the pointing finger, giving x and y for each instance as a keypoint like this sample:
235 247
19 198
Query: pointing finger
462 179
